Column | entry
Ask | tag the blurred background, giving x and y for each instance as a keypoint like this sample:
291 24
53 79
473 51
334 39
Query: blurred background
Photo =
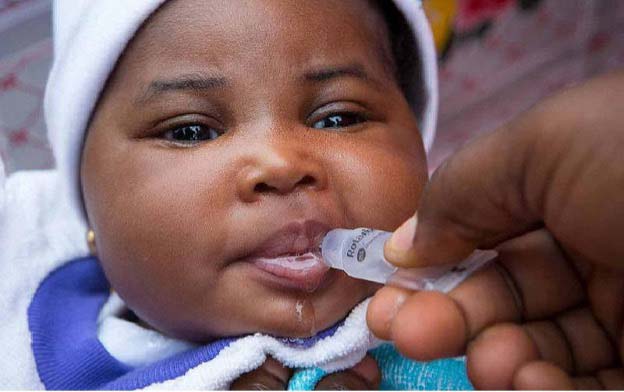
497 58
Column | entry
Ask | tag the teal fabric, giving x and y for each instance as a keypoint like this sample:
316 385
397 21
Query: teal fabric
400 373
305 379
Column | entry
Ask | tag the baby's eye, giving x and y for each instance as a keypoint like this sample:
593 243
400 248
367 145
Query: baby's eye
191 134
339 120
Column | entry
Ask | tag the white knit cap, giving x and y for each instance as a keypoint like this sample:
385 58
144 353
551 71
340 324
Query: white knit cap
90 36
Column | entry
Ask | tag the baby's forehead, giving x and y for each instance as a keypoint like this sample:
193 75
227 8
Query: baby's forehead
219 31
254 14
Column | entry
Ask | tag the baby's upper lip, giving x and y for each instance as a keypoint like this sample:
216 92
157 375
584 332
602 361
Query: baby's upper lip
292 239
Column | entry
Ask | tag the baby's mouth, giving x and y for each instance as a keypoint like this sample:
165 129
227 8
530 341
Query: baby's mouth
291 256
304 271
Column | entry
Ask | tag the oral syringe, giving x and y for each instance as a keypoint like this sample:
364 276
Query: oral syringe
360 254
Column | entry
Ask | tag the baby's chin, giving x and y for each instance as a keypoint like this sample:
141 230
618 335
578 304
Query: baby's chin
262 309
304 315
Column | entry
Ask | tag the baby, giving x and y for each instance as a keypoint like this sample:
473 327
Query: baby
234 132
229 137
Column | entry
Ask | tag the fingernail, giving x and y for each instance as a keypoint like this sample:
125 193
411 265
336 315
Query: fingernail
403 237
396 306
394 310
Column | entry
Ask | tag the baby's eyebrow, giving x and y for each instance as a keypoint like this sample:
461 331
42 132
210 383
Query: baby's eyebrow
325 74
192 82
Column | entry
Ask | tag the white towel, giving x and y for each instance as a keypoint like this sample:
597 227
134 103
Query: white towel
127 342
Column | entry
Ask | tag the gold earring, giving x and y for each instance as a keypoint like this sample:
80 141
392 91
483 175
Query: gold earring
91 242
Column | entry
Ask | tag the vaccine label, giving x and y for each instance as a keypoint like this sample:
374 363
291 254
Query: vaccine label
363 255
359 242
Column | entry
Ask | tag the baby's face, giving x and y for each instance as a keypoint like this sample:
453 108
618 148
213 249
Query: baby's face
232 132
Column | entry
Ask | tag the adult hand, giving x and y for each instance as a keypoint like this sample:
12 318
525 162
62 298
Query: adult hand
274 376
547 191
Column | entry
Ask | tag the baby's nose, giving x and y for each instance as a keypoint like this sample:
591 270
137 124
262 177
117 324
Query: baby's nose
280 172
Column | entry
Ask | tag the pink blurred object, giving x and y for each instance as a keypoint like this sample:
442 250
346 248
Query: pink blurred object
522 58
472 13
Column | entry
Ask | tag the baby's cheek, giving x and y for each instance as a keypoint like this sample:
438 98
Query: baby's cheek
382 186
157 240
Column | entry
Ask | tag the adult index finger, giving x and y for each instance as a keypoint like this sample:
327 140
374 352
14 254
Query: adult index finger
559 165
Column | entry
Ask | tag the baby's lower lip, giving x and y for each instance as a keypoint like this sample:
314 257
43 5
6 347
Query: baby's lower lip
303 272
